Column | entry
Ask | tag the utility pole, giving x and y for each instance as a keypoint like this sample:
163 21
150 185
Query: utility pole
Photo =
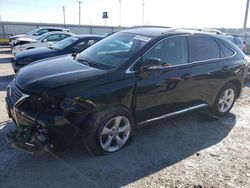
245 20
143 5
120 12
79 2
64 20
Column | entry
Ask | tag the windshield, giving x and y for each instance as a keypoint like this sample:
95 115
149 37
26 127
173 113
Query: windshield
32 32
114 50
43 36
64 43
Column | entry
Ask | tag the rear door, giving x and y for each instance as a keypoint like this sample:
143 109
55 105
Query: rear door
211 67
168 89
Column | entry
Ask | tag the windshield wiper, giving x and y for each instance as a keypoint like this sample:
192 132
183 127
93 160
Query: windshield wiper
90 62
95 64
84 61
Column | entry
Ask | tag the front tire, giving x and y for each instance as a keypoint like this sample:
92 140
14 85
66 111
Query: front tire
225 100
108 131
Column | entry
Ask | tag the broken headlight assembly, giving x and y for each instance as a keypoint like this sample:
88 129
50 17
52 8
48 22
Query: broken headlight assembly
76 105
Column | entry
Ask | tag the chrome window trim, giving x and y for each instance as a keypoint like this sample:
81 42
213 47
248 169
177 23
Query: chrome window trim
174 113
129 70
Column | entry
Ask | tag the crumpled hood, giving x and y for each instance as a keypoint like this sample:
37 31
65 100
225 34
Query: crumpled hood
17 36
46 75
27 39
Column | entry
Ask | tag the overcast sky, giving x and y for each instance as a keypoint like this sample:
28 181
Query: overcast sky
175 13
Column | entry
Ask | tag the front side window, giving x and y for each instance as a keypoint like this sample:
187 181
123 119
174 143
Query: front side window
170 51
53 38
202 48
64 43
41 32
85 44
114 50
64 36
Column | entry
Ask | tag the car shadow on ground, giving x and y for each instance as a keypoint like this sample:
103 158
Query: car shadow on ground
156 146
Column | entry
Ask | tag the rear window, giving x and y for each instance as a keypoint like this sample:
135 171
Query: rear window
202 48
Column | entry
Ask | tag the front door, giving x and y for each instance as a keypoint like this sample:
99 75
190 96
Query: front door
169 88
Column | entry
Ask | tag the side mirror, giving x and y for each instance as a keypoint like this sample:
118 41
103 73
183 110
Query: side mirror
45 40
36 34
151 64
74 50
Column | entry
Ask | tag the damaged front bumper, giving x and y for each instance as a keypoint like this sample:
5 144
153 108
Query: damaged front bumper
37 131
28 140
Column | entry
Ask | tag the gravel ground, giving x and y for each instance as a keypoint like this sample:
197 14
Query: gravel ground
192 150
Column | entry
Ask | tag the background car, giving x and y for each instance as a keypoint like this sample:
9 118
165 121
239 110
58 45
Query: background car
35 33
239 42
44 40
70 45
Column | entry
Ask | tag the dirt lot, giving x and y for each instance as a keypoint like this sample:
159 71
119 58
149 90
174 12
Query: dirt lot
192 150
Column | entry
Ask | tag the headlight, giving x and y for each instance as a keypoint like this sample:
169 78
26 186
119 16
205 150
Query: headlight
76 105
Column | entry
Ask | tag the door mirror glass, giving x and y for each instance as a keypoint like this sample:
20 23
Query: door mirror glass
151 63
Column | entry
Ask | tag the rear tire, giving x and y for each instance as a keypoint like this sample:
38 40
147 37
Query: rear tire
224 100
108 131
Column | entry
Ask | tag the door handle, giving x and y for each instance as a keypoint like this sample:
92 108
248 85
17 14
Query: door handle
185 76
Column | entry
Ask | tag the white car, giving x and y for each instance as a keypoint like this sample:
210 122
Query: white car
46 39
34 34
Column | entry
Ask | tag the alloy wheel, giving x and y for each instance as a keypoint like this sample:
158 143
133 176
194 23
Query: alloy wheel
226 100
115 134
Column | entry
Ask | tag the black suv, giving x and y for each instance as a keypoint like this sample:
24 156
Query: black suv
129 78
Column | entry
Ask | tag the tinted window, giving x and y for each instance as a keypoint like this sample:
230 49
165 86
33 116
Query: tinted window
171 51
82 45
50 30
65 43
41 32
64 36
202 48
226 51
55 37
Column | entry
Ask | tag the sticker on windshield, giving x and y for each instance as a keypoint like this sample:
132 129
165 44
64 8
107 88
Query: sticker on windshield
142 38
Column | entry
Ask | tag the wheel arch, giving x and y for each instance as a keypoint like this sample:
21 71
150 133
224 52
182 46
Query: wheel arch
237 85
235 82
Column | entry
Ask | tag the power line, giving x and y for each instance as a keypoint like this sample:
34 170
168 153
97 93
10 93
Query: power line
79 2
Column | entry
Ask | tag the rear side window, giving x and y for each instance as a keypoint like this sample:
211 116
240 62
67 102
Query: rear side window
226 51
202 48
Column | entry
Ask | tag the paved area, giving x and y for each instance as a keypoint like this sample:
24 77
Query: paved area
192 150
